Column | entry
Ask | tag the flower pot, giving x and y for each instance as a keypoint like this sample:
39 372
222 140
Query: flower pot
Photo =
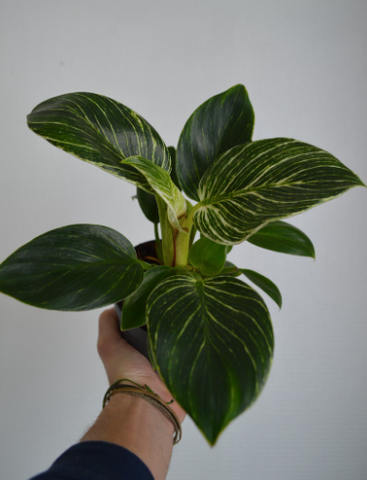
138 337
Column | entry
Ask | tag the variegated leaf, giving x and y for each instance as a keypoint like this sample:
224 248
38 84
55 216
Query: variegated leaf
161 183
78 267
254 184
222 122
212 341
100 131
133 310
147 201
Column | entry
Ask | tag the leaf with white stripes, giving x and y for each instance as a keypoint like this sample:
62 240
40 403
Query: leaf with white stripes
74 268
161 183
254 184
220 123
147 201
100 131
212 341
133 309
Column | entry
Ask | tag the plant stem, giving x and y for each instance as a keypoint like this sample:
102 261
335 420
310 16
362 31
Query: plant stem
175 243
191 213
227 270
156 233
182 248
158 244
167 234
182 240
145 265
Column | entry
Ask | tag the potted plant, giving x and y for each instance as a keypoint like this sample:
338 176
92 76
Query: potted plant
209 333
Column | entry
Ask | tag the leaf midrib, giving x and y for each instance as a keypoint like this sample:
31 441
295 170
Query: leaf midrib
80 265
249 190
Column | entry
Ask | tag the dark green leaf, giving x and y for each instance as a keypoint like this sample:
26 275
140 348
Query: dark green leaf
284 238
230 270
229 264
222 122
133 310
148 204
100 131
78 267
262 282
265 284
213 344
254 184
174 177
207 256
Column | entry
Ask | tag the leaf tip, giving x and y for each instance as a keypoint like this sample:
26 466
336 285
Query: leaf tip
358 182
278 300
212 440
238 86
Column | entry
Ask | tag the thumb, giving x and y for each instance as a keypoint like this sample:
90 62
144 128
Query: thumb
109 334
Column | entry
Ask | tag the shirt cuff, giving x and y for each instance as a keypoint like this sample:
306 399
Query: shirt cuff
97 460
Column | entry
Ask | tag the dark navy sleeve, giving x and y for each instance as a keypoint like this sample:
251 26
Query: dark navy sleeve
97 461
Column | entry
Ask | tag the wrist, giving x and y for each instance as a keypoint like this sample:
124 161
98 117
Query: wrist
133 423
158 393
137 411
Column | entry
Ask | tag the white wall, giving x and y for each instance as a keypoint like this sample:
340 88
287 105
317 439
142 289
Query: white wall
305 67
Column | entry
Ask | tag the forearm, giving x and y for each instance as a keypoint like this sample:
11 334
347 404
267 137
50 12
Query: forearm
138 426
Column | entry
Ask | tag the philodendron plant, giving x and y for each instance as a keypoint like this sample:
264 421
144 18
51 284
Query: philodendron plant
209 333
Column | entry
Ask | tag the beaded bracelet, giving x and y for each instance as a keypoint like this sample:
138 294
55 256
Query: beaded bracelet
147 394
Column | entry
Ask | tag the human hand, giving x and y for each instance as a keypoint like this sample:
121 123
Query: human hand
121 360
